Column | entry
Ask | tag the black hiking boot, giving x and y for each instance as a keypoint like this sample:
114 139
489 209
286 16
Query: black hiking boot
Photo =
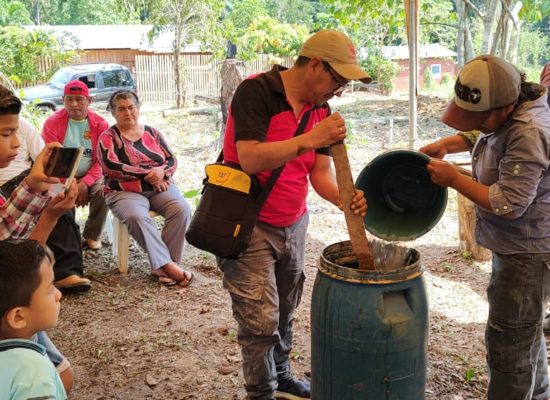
292 389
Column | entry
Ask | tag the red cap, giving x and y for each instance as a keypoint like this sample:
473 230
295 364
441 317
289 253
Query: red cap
76 87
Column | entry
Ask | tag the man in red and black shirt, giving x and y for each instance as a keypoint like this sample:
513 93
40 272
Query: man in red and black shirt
266 282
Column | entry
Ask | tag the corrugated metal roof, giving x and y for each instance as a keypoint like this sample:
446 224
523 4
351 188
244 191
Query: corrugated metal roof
433 50
90 37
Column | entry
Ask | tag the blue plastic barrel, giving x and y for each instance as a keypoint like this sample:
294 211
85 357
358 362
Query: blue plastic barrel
369 329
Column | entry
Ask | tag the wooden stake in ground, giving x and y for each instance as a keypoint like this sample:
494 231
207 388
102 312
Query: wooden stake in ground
354 222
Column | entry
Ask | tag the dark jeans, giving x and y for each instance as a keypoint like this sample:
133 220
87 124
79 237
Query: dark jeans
516 349
66 245
266 285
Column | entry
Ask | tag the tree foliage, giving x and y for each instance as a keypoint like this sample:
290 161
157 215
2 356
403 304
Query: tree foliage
81 12
454 23
189 20
255 25
13 13
298 12
269 36
21 51
241 14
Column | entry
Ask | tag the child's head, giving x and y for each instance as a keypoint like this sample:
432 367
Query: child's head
29 302
10 106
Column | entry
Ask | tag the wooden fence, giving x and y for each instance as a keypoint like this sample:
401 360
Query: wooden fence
200 74
46 66
156 80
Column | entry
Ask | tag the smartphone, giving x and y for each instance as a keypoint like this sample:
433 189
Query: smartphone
63 163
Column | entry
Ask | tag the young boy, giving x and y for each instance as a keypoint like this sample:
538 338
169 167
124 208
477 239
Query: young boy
30 203
29 304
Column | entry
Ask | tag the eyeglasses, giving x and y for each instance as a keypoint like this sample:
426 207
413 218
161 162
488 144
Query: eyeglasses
340 81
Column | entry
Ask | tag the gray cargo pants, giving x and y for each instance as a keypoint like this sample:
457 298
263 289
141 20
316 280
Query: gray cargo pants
266 285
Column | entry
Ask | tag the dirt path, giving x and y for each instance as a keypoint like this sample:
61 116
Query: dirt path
130 339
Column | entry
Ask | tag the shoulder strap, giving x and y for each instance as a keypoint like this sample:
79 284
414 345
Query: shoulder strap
276 172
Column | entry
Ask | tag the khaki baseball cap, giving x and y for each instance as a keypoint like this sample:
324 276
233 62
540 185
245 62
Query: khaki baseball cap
485 83
337 49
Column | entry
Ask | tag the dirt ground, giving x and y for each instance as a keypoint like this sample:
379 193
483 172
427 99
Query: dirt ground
128 338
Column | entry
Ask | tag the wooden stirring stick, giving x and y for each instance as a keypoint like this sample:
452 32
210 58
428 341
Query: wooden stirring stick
354 222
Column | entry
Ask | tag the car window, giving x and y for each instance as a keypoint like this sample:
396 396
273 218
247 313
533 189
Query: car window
61 77
89 80
115 78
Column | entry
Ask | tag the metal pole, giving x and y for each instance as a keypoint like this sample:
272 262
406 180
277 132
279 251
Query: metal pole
413 73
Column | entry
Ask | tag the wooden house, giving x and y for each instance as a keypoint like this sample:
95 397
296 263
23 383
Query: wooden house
114 43
438 59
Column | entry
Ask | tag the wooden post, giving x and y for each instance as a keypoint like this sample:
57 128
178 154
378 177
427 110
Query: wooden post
467 228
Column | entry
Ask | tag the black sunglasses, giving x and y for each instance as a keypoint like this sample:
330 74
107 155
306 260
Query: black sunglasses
341 82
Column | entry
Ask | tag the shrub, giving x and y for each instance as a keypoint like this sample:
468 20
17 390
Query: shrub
381 70
428 78
447 79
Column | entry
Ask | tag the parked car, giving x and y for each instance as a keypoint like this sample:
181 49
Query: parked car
103 79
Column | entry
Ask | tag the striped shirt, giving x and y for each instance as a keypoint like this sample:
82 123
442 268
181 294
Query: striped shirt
126 163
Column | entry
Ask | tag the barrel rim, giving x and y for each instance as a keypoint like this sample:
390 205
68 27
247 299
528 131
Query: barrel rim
340 272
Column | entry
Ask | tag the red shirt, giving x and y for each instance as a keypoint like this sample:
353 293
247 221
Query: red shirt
259 111
55 129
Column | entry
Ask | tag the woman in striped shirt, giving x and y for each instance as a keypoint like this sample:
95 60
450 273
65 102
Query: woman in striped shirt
138 167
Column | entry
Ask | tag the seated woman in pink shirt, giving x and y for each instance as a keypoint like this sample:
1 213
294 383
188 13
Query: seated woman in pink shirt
138 167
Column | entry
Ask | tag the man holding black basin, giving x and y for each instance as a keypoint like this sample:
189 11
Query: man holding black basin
510 186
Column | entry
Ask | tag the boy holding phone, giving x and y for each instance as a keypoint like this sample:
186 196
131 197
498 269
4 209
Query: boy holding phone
29 304
77 126
30 201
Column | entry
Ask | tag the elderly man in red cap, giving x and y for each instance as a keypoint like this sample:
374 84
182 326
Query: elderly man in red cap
511 189
77 125
262 134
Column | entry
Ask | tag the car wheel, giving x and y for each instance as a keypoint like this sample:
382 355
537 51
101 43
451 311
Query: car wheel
46 108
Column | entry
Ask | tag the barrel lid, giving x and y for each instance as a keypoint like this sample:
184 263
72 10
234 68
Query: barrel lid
403 202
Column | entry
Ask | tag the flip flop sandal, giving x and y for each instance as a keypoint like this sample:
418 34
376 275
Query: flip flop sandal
164 280
186 280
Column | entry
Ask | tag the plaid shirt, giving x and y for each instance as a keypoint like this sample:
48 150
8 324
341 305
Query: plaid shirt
19 211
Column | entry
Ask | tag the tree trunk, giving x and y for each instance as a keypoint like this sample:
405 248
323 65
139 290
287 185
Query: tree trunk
507 24
460 12
231 77
488 21
180 99
515 26
466 230
468 42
